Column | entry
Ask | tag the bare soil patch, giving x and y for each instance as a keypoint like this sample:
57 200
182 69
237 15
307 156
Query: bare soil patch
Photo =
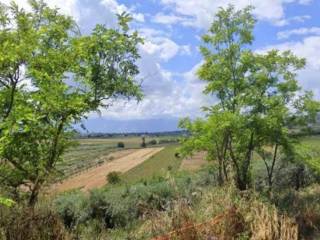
96 177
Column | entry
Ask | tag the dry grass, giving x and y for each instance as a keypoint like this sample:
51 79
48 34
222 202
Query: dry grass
268 224
195 162
31 224
221 215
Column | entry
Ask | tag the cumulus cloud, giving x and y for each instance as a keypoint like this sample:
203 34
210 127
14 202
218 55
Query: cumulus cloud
298 31
306 48
159 44
167 19
287 21
68 7
88 10
166 95
200 14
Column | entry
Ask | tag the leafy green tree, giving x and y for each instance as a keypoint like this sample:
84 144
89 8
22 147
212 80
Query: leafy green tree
50 78
258 99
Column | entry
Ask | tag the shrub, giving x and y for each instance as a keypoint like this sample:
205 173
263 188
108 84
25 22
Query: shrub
152 142
165 141
113 178
143 145
120 145
71 208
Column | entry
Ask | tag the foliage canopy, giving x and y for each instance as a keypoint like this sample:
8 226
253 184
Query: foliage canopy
259 102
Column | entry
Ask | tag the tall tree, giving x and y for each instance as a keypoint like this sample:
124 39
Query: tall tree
258 97
51 77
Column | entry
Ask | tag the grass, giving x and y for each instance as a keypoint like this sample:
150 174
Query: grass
156 165
312 144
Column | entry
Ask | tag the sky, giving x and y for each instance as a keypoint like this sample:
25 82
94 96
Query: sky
172 30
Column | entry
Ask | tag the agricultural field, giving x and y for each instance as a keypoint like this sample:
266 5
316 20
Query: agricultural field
96 176
160 163
91 152
99 153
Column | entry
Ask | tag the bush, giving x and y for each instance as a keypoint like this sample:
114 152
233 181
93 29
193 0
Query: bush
152 142
143 145
113 178
120 145
71 208
166 141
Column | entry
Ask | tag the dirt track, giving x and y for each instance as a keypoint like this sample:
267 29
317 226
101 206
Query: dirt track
96 177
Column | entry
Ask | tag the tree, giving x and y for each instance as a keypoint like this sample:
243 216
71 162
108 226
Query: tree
50 78
258 99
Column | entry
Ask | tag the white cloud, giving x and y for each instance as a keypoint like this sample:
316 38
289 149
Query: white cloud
77 8
200 13
299 31
158 44
68 7
167 94
138 17
167 19
165 97
162 47
307 48
117 8
287 21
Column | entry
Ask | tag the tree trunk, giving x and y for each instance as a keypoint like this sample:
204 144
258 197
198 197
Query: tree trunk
220 174
34 194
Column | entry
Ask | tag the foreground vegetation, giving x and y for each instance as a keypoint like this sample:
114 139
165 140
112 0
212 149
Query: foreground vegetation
183 205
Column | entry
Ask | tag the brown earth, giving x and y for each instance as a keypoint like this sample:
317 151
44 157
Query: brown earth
96 177
194 162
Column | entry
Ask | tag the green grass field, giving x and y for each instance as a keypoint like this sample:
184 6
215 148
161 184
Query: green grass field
158 164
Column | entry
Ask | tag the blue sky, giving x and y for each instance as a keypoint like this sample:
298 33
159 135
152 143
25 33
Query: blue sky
170 56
